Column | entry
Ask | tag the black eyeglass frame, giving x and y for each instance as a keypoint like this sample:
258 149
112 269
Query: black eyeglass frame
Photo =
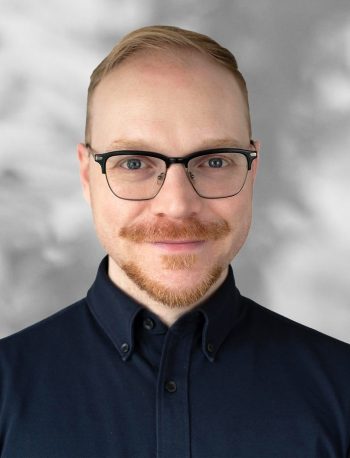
101 158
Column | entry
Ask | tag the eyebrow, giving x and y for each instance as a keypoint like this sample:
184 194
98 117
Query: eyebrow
142 145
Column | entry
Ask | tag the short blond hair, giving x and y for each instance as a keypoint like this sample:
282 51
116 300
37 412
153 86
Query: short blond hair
163 37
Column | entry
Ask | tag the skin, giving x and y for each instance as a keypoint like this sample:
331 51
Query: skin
174 104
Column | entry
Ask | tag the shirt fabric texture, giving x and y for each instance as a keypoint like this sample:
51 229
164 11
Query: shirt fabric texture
105 377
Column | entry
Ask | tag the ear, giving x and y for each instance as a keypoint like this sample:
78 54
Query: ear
84 161
256 145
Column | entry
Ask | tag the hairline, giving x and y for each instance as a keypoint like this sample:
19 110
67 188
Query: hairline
178 51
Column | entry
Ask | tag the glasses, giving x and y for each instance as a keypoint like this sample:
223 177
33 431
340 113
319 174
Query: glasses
139 175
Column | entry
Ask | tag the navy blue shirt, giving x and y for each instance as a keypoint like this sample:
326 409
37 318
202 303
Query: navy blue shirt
107 378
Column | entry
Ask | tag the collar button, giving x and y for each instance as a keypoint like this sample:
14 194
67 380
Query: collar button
125 347
148 324
210 347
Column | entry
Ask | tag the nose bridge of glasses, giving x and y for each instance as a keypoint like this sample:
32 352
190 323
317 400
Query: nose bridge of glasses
177 160
182 164
177 187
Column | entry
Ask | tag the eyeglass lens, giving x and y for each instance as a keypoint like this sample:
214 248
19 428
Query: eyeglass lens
141 177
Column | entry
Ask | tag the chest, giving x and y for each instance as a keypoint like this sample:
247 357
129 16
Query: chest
179 406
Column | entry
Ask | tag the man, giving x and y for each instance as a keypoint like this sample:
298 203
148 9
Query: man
164 357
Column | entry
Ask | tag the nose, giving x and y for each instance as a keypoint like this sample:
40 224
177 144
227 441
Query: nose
177 199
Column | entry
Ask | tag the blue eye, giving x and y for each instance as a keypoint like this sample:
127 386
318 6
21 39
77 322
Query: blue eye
133 164
215 162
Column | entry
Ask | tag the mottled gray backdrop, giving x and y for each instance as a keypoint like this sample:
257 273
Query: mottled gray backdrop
296 59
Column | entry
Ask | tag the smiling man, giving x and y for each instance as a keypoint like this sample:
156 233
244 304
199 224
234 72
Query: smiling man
164 357
170 231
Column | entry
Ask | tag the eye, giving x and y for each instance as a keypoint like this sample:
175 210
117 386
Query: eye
211 162
133 163
215 162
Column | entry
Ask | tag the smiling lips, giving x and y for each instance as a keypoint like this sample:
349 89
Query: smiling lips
179 245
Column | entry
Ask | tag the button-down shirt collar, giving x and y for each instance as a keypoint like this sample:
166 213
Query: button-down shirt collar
116 312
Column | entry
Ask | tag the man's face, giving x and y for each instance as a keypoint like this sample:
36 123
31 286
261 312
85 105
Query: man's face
174 105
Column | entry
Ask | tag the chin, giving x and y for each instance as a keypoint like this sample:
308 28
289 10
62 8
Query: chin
174 288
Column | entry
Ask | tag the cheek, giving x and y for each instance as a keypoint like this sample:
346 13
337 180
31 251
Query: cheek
108 220
238 213
104 220
110 214
236 210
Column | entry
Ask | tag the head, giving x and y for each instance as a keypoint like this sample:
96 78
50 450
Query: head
172 91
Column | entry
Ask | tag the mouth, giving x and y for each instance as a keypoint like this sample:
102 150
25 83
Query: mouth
179 245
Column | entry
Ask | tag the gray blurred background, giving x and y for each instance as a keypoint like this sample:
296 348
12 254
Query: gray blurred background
295 56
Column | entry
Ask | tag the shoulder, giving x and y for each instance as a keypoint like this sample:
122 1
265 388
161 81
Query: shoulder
55 328
271 325
306 356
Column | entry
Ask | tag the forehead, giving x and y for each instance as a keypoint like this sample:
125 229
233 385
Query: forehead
176 92
179 66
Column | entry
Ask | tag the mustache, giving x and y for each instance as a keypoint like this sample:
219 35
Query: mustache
191 229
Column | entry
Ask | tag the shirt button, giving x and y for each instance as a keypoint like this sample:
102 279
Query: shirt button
170 386
210 347
148 324
124 347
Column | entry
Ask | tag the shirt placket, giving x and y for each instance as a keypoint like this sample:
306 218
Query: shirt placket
172 403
